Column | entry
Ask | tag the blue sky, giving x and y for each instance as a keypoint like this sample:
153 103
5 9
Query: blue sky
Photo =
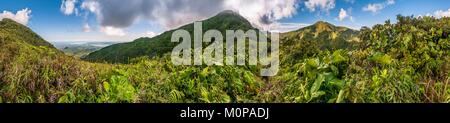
365 18
115 20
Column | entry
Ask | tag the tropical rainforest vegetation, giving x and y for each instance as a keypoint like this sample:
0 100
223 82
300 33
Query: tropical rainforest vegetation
406 61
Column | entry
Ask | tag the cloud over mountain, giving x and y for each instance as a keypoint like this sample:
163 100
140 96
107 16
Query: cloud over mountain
170 14
21 16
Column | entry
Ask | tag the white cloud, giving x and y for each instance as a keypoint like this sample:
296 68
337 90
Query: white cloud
91 6
287 27
343 14
86 28
390 2
325 5
112 31
150 34
170 14
21 16
442 13
114 16
68 7
374 8
437 14
263 14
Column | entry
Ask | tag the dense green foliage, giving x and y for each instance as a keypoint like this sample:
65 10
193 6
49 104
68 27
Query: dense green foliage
403 62
32 70
316 38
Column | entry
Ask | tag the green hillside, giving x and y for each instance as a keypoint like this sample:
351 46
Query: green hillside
159 45
326 35
32 70
407 61
13 31
316 38
403 62
42 74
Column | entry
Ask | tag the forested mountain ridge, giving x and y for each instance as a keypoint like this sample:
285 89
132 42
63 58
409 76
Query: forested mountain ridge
325 35
161 44
316 38
407 61
403 62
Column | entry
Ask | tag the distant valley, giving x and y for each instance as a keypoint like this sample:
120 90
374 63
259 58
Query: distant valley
402 62
80 49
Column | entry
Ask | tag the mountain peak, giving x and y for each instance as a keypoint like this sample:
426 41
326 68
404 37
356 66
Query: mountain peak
321 26
228 12
160 45
7 21
322 22
228 20
21 32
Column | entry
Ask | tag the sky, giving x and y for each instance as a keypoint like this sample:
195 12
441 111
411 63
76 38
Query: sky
119 20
